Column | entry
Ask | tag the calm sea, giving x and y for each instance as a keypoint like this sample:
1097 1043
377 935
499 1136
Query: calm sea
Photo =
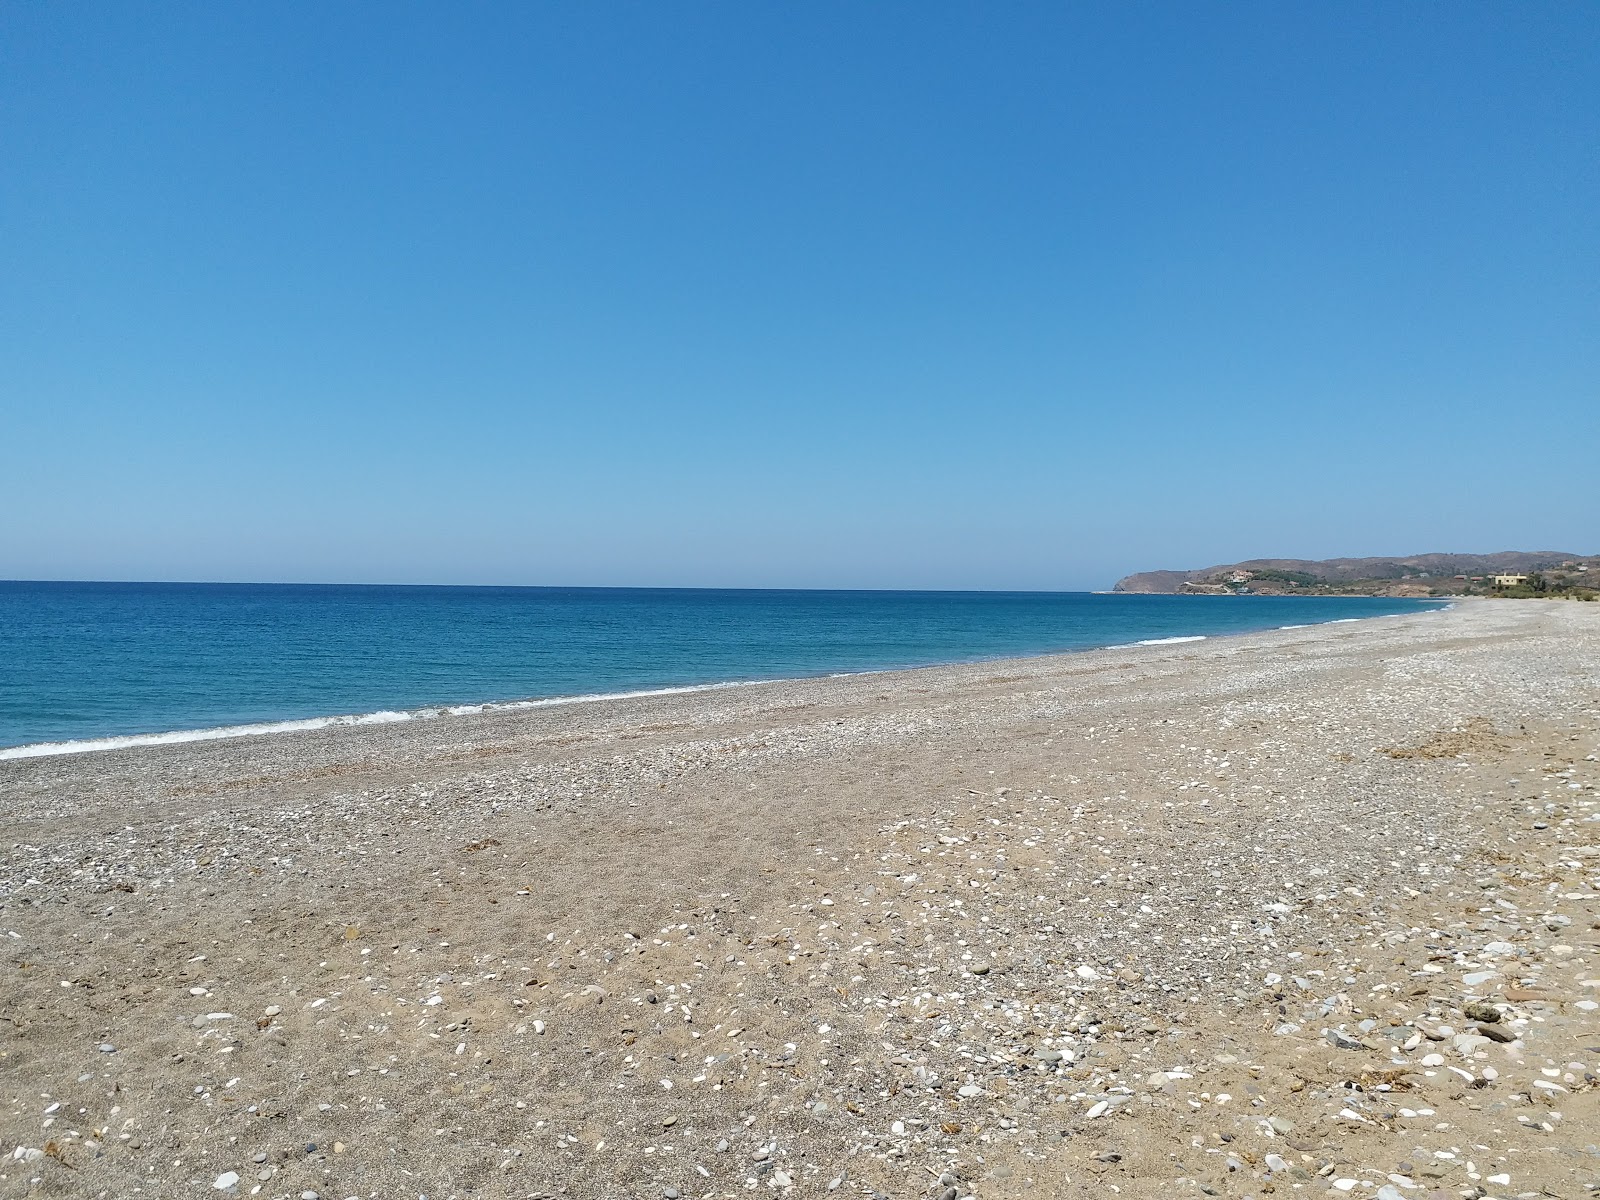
83 661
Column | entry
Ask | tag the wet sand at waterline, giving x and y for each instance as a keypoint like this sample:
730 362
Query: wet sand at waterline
1303 912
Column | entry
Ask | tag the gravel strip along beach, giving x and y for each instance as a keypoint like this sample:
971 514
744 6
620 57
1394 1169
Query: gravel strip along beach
1311 912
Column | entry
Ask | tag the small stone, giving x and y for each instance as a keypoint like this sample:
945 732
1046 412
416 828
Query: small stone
669 1193
271 1010
1498 1032
107 1048
225 1181
979 968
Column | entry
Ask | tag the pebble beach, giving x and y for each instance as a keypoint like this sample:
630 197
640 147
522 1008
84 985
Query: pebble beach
1313 912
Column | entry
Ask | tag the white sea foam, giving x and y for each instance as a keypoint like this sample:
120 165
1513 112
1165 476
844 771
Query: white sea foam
44 749
1294 627
1171 641
221 732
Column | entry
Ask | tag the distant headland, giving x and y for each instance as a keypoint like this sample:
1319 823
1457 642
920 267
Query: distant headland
1511 573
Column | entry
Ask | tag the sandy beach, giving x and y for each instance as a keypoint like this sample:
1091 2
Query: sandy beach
1309 912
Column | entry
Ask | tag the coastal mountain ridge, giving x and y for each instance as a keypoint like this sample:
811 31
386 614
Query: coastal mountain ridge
1416 574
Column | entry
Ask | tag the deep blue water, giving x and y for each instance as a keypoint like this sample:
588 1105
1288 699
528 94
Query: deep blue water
90 660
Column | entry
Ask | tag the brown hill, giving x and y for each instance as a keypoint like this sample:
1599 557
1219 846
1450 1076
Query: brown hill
1338 572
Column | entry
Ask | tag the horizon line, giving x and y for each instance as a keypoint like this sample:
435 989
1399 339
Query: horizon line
613 587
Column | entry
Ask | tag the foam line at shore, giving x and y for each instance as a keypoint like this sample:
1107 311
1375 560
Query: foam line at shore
387 717
391 716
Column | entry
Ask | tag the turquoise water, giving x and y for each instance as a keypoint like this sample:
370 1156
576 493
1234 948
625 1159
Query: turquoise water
96 660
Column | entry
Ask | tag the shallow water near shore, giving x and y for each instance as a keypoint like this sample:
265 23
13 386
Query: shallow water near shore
87 661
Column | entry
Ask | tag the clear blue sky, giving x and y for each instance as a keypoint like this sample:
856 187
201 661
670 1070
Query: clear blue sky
824 294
